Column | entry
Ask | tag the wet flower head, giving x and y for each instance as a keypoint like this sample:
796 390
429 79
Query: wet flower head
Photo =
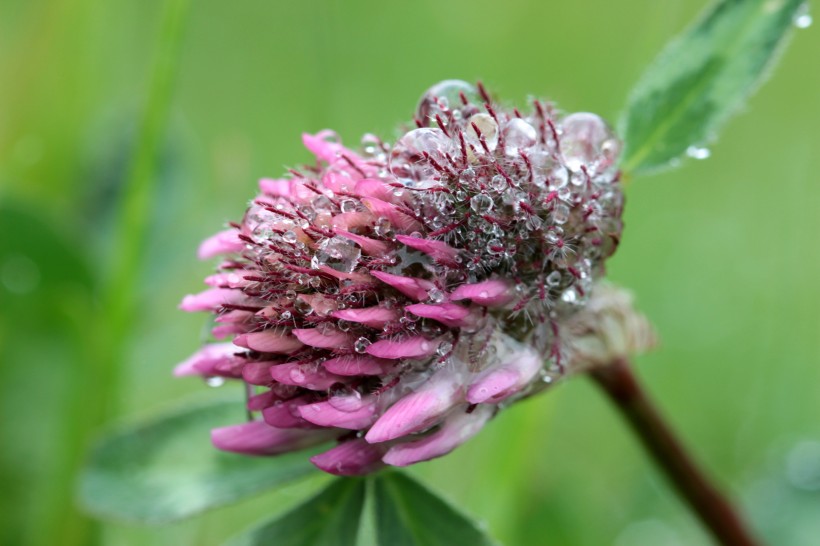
394 298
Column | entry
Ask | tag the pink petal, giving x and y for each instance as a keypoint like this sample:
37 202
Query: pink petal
292 189
459 427
341 275
310 376
323 149
331 339
257 373
269 341
438 250
492 293
261 401
500 382
449 314
418 410
352 220
374 188
235 316
397 218
338 182
375 317
417 289
212 299
224 330
369 246
285 414
259 438
359 365
206 360
412 347
232 279
350 458
224 242
326 415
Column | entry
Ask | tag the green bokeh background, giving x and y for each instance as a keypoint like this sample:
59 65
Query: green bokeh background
722 254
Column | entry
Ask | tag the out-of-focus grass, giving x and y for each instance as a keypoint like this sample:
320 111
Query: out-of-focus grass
722 255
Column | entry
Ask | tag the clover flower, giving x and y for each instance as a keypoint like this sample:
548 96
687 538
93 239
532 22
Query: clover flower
395 298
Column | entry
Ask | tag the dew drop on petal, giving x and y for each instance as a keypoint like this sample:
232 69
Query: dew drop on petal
297 376
443 348
445 97
481 203
518 136
482 126
408 162
588 142
361 345
560 214
435 295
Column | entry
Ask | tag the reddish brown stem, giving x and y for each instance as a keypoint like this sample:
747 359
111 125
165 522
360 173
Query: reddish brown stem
714 511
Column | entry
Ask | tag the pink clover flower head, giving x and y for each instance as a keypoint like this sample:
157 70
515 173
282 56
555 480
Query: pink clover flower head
393 298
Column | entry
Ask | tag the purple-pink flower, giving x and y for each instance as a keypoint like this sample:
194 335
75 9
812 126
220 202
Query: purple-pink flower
391 299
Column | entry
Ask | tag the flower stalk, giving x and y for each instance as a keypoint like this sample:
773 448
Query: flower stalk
716 513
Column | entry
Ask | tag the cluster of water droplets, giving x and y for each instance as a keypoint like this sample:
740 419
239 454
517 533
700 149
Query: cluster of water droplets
532 197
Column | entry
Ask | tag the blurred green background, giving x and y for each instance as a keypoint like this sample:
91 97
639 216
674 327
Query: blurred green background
722 254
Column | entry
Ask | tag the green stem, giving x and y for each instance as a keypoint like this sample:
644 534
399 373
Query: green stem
714 511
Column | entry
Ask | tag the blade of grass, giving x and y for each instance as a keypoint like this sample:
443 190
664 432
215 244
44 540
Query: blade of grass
117 303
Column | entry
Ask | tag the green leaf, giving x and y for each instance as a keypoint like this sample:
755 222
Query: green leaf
409 514
701 78
167 469
331 518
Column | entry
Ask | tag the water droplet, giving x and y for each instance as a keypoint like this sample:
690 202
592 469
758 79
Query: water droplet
348 205
302 307
361 345
560 214
481 203
214 381
286 315
570 296
554 279
518 136
297 376
495 246
289 237
560 178
485 125
802 17
534 222
444 97
371 146
337 253
698 152
588 142
498 183
467 176
409 164
384 228
435 295
443 348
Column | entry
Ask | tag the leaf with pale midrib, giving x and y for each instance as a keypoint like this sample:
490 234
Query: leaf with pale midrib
331 518
700 79
409 514
166 469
